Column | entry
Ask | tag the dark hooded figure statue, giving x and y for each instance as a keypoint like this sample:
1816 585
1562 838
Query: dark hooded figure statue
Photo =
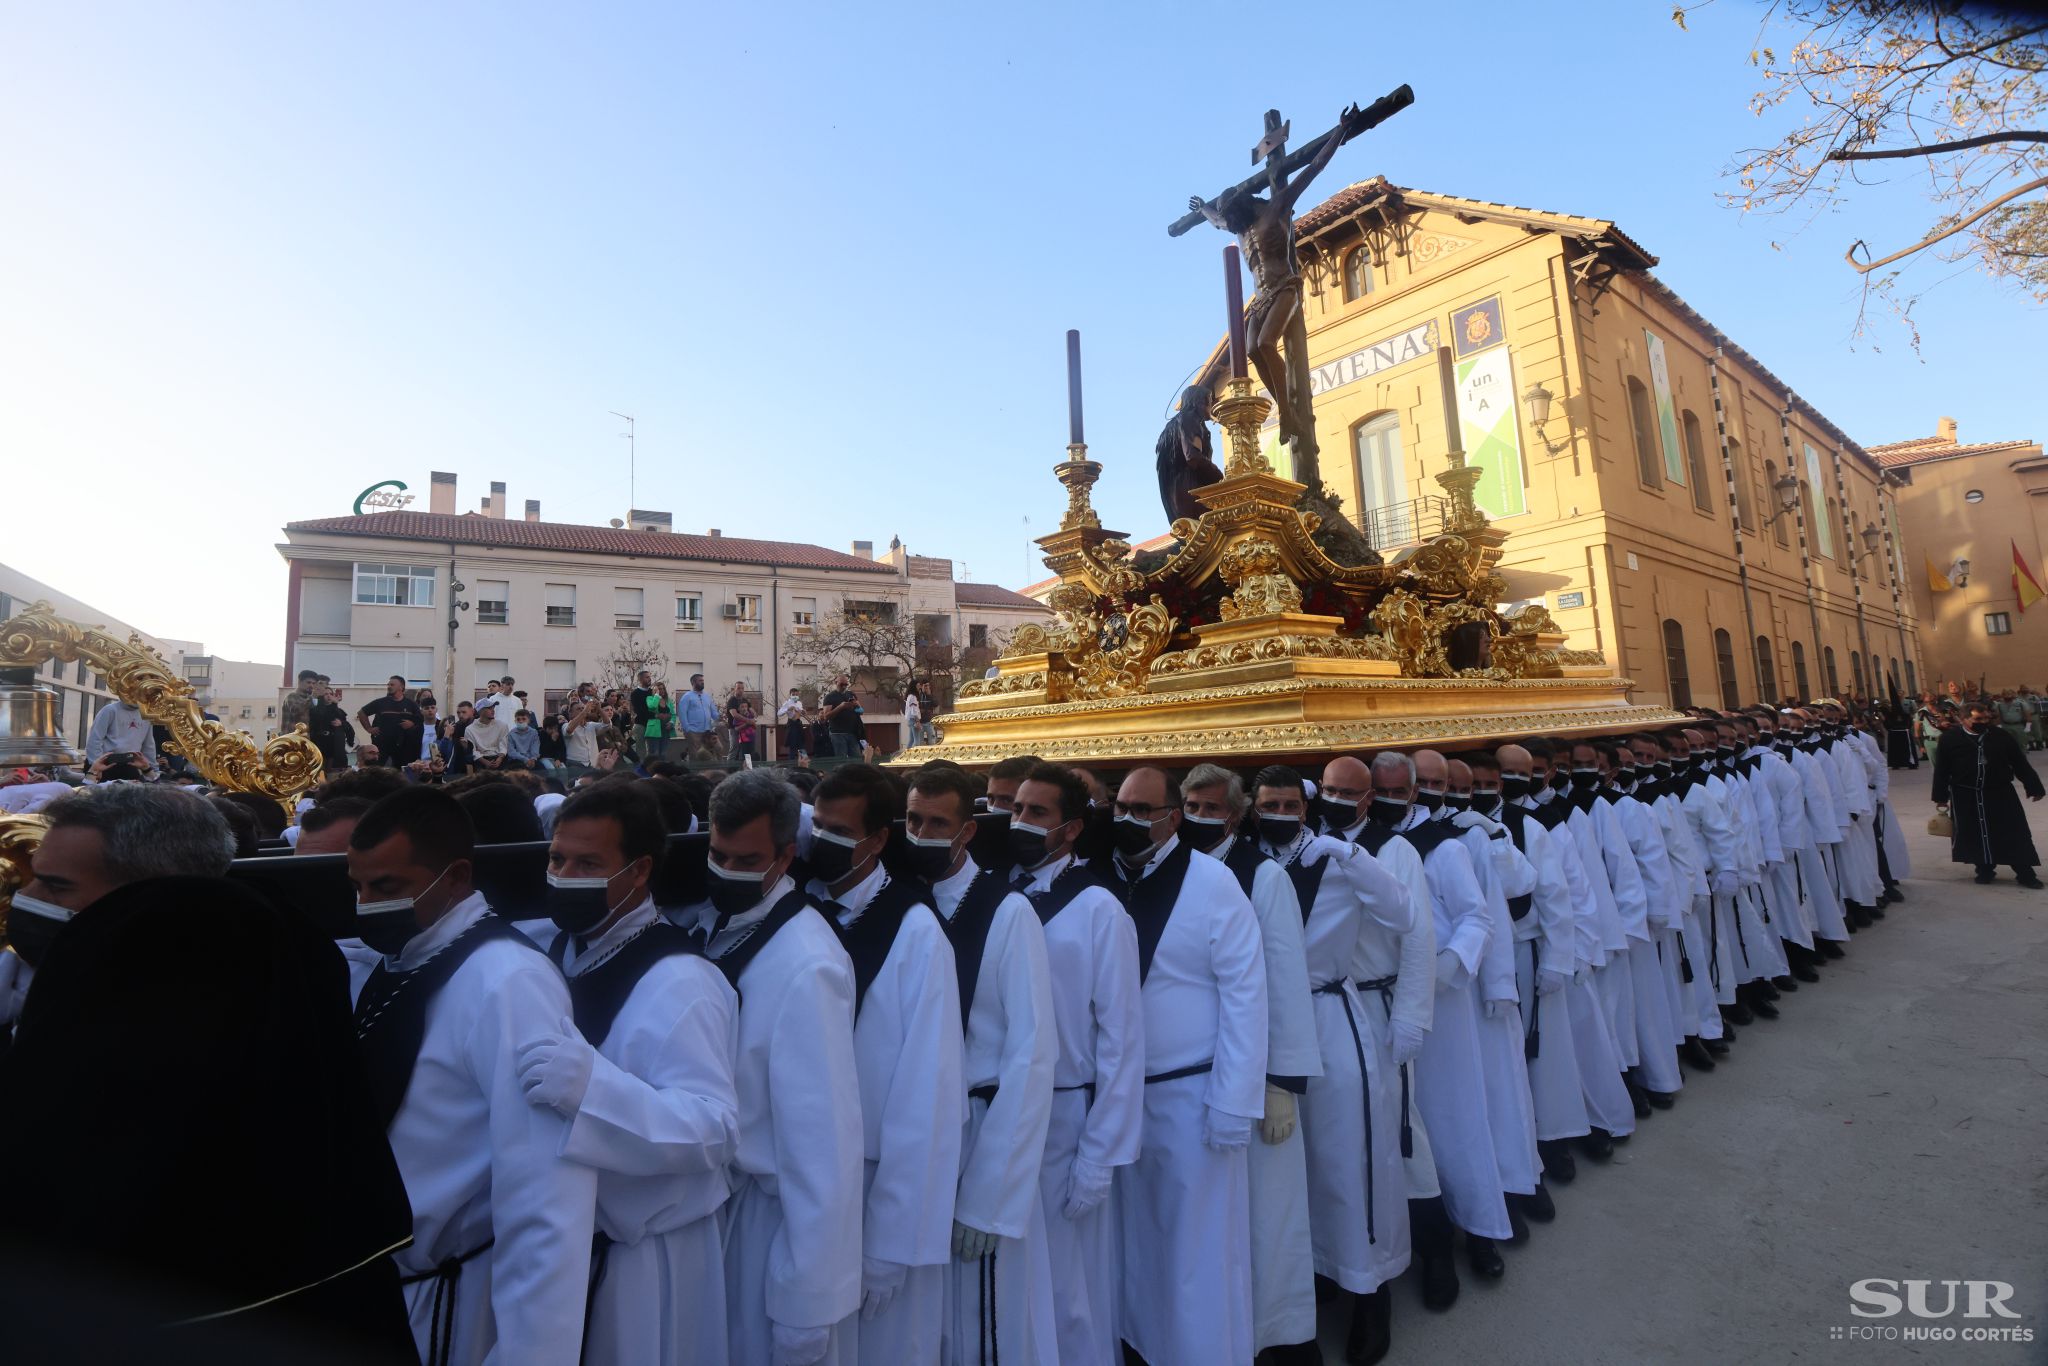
1184 462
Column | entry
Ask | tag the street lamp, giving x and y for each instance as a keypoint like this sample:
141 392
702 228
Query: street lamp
1787 492
1539 400
1959 572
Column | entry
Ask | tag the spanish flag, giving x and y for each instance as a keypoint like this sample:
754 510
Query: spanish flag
2023 585
1937 582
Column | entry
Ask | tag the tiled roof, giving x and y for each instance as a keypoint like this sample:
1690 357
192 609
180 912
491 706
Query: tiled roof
992 595
1925 448
1353 197
475 529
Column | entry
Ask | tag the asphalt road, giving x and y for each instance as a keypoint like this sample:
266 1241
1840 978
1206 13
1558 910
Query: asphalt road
1893 1123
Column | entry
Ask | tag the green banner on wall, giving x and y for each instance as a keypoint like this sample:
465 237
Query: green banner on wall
1491 432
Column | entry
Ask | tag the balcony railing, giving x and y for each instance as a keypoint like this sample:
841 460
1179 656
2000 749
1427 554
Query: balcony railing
1399 525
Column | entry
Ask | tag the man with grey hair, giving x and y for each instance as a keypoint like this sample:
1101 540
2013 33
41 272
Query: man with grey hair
793 1225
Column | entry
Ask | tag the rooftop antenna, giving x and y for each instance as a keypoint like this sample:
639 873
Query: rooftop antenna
632 461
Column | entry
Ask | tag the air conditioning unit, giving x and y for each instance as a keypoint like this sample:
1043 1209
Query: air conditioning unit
730 611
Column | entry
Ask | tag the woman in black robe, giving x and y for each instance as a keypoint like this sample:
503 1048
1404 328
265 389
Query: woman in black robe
1975 766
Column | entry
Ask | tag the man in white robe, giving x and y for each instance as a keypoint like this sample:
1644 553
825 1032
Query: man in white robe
1595 823
1184 1204
1895 862
999 1287
1762 946
1656 1078
1217 820
1682 946
907 1049
1832 926
1785 883
793 1224
1098 1094
651 1104
502 1222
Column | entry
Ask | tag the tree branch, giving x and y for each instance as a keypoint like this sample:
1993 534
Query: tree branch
1950 231
1935 148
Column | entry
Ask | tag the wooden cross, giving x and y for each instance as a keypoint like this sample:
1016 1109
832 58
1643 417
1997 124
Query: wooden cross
1275 141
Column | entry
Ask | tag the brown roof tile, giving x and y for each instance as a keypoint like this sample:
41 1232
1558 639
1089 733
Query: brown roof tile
474 529
992 595
1925 448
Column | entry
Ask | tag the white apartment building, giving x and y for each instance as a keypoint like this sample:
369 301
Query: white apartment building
547 603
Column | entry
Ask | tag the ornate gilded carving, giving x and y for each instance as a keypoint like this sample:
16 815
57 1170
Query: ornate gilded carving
1259 586
1241 413
19 836
281 770
1079 474
1403 619
1272 647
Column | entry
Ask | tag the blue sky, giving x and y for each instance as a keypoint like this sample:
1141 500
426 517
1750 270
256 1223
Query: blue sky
259 257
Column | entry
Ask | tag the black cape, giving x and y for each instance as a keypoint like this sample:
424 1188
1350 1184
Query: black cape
1974 775
186 1129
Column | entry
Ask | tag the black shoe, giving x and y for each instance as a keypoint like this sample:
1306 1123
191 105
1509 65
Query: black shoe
1830 949
1693 1052
1430 1234
1987 876
1539 1206
1439 1283
1717 1047
1764 989
1598 1145
1484 1259
1301 1353
1635 1095
1557 1160
1783 984
1371 1330
1738 1014
1805 972
1876 909
1894 893
2032 884
1761 1007
1858 914
1518 1227
1660 1100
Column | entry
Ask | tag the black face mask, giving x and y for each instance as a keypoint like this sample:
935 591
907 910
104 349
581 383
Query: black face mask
1386 811
1663 768
388 932
1431 802
31 927
1132 836
1514 786
1486 803
1336 813
1559 779
1458 801
1279 831
1585 779
929 859
734 893
1025 844
1202 832
580 904
832 856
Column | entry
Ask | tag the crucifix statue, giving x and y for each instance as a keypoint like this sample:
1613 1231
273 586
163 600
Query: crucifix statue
1277 332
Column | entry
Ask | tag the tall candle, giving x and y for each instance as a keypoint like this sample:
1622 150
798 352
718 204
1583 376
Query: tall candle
1073 387
1233 293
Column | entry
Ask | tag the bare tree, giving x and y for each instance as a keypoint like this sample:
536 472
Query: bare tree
629 655
1953 89
884 656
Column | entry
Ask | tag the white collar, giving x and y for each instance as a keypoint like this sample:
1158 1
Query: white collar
857 896
611 941
1159 857
1043 875
707 915
1293 849
440 934
948 891
1411 818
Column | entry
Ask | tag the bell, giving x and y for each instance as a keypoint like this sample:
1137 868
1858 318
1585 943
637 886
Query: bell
30 733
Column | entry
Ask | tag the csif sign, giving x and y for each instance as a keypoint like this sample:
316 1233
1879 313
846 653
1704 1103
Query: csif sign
388 495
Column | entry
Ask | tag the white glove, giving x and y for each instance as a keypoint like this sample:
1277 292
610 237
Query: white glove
1407 1042
799 1346
1492 1008
1279 1121
1451 972
555 1071
1549 982
879 1281
1724 883
1223 1133
971 1244
1475 820
1087 1187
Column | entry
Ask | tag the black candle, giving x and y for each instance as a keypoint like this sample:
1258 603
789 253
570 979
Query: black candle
1233 292
1073 387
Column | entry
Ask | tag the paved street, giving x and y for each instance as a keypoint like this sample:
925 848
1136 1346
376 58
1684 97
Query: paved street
1893 1123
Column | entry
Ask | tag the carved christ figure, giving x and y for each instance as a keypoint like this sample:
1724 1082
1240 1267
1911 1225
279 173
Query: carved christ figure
1265 233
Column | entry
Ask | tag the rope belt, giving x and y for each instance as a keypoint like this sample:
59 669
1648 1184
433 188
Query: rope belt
1336 989
1385 987
1193 1069
446 1276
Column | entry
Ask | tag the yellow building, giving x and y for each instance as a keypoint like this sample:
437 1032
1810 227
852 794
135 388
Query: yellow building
1964 509
1585 388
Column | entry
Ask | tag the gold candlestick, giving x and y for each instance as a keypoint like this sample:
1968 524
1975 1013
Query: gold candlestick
1079 474
1241 412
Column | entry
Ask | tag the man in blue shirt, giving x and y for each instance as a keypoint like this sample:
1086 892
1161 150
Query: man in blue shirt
698 716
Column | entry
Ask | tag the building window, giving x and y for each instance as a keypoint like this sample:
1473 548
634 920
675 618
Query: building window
803 616
1643 423
1696 462
1777 519
1912 680
1724 665
1827 665
561 604
878 613
395 585
1766 671
1388 519
628 609
270 713
1799 672
493 602
489 671
1674 663
1357 275
365 667
1856 673
977 636
1891 677
1834 518
689 611
1974 496
558 677
747 616
1744 507
1997 624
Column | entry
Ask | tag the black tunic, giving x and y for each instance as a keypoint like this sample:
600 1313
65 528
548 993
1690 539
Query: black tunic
1974 775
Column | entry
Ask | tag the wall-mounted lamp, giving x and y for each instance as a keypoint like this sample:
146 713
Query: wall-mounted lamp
1959 572
1786 491
1539 400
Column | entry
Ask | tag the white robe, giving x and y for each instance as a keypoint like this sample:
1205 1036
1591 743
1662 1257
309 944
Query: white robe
792 1226
1184 1206
913 1104
1504 872
1450 1082
658 1123
1650 1015
1607 1101
1824 836
480 1163
1098 1105
1283 1252
1544 941
1012 1043
1898 859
